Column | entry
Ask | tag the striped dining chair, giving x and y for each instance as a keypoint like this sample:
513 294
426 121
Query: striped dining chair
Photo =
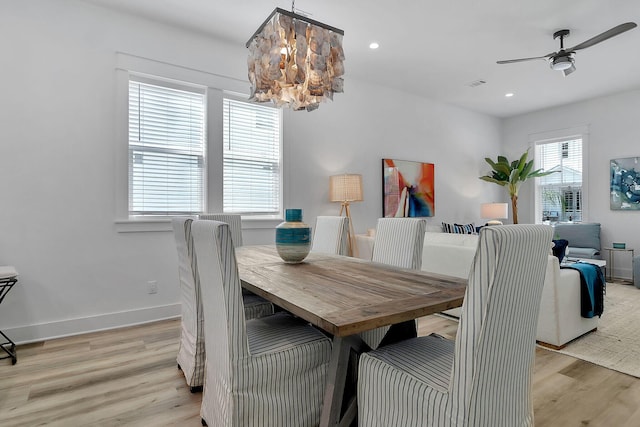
331 235
253 304
399 242
191 353
483 378
234 221
261 372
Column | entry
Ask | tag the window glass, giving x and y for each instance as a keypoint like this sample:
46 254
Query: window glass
559 194
166 150
252 160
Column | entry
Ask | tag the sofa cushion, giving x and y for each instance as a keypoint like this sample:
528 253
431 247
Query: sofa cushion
581 235
574 252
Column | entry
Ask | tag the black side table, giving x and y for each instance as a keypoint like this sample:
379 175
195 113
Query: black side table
8 278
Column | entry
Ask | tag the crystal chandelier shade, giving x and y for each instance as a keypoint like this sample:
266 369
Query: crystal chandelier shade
295 61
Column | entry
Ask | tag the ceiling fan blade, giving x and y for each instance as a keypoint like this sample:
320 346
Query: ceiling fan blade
604 36
510 61
569 70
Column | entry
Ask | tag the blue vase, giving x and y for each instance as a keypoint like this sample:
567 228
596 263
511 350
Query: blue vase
293 237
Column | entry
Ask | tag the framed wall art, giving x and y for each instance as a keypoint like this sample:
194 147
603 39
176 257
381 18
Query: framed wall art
625 184
408 188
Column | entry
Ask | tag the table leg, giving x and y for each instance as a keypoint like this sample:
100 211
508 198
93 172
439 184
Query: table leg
336 379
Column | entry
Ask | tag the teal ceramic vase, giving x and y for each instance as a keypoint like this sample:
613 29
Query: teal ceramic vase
293 237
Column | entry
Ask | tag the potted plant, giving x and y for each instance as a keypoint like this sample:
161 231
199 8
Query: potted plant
511 175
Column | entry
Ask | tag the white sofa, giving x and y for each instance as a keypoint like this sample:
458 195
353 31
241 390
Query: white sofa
452 254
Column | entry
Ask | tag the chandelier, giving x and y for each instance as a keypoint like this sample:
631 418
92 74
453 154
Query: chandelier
295 61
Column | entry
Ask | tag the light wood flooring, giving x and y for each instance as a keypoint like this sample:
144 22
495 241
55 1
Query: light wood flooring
129 377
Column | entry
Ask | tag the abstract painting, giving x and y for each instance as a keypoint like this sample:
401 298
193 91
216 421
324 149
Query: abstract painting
625 184
408 188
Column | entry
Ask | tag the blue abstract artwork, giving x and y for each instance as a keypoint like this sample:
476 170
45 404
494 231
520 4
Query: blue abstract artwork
625 184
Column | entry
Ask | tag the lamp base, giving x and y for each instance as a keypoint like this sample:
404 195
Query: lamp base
494 222
351 235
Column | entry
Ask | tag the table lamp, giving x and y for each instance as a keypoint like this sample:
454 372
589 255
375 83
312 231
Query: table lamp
494 212
346 188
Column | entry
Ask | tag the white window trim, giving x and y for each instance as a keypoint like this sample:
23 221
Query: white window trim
558 135
126 64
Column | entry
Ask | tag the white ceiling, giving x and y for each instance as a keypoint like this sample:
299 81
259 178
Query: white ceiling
436 48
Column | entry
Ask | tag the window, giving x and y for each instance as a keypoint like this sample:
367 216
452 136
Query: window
166 149
189 144
559 195
252 164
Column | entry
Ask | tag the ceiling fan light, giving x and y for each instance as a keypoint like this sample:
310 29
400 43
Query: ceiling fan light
561 63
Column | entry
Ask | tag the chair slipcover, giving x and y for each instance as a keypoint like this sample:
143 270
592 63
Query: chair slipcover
235 225
191 354
399 242
331 234
483 378
261 372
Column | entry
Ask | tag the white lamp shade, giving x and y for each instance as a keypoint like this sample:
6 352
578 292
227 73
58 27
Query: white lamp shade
345 188
494 210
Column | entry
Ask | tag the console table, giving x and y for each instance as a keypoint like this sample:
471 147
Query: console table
611 252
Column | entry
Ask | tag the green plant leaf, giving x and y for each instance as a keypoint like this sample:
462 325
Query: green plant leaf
526 170
503 159
523 162
538 173
515 176
495 181
502 168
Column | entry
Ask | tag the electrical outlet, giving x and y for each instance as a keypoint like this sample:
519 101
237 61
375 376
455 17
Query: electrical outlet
152 287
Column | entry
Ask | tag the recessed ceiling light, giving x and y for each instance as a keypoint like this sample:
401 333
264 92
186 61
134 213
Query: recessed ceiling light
508 95
374 45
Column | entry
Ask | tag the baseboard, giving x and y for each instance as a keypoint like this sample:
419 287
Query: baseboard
83 325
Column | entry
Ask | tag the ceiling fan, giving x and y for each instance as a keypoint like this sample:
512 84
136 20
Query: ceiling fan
563 60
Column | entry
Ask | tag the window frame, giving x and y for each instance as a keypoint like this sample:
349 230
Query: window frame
280 210
185 87
557 136
126 64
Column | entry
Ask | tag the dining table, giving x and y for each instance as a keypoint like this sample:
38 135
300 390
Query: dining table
344 296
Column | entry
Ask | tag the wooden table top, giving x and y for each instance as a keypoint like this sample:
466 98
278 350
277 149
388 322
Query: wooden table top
344 295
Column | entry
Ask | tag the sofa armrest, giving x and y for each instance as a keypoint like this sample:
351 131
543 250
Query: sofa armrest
560 321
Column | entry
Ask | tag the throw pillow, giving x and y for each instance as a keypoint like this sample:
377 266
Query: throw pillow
466 228
459 228
559 248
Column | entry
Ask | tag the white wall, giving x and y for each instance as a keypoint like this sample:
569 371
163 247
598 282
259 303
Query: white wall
58 148
614 132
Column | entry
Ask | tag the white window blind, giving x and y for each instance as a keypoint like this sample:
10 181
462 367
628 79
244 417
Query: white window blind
166 149
560 194
252 158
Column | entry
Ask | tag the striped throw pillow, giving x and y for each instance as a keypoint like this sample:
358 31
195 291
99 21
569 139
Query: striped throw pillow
459 228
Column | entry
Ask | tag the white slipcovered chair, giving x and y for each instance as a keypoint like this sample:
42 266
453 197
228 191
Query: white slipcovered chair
234 221
399 242
261 372
331 235
191 353
483 378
